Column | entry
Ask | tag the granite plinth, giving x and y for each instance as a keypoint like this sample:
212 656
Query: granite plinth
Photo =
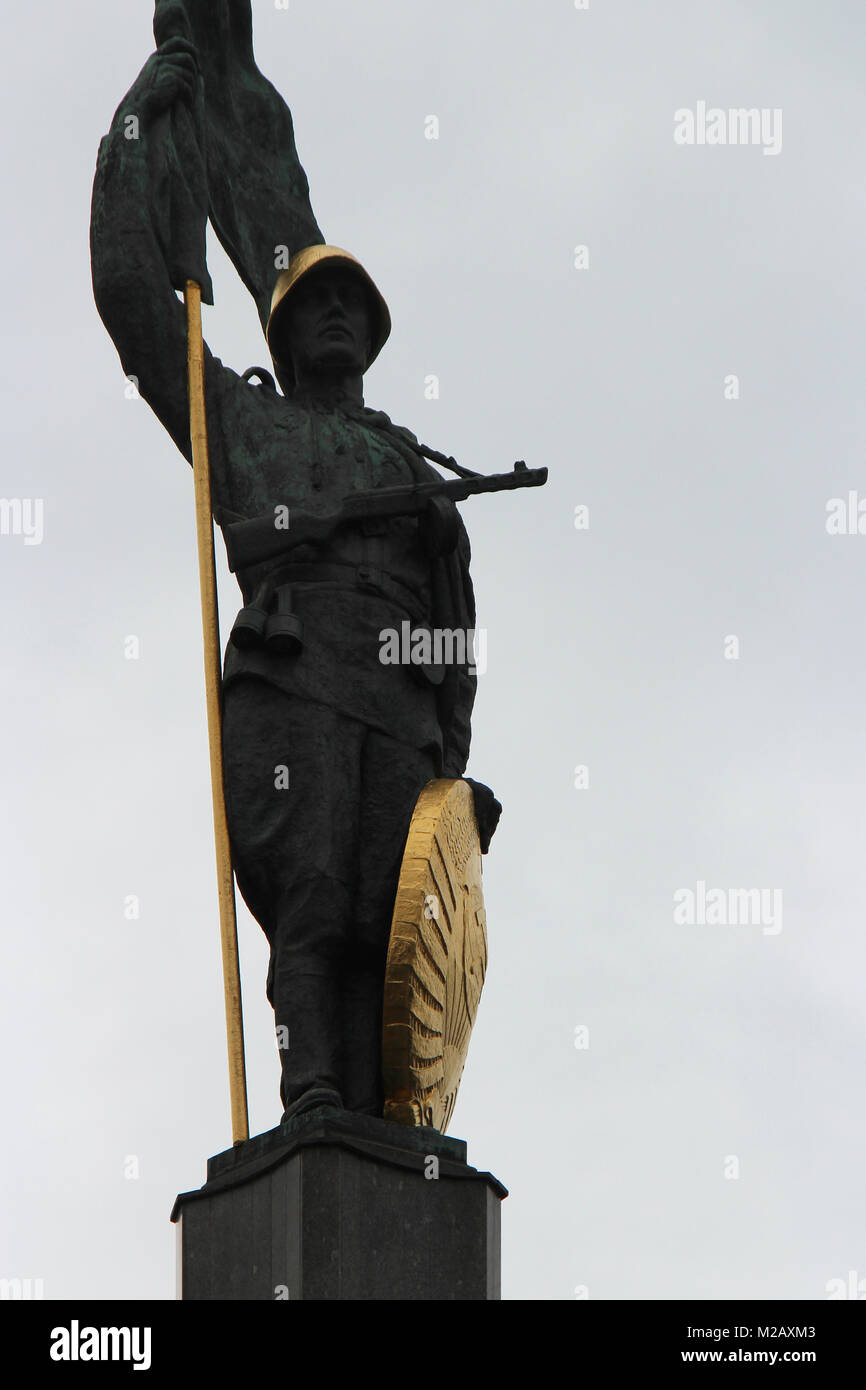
333 1205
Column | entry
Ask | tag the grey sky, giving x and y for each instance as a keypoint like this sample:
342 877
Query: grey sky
605 646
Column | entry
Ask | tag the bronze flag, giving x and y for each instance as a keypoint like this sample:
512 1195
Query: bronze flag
250 143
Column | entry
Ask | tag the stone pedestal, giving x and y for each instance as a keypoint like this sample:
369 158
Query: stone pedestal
339 1206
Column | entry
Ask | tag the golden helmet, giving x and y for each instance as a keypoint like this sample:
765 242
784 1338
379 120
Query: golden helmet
311 258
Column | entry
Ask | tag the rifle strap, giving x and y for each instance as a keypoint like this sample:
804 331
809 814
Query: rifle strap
405 440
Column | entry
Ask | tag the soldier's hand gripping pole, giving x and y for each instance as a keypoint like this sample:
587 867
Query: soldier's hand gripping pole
210 632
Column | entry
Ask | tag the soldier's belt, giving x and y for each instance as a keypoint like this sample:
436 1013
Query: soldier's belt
364 577
269 620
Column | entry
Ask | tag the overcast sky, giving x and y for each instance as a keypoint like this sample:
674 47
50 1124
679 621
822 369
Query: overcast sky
709 1141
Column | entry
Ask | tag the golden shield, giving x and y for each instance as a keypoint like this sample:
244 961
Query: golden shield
437 958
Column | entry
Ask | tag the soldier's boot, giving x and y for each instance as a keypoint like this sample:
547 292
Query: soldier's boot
361 1002
306 1014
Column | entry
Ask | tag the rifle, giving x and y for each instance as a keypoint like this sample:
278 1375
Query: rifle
266 538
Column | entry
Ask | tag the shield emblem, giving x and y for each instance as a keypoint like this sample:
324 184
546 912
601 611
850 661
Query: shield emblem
437 958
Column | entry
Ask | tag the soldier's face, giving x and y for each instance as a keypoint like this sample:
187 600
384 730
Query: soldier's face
328 327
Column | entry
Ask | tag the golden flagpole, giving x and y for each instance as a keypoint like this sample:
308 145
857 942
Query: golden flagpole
212 673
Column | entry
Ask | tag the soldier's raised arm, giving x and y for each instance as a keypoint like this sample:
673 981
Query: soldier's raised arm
147 230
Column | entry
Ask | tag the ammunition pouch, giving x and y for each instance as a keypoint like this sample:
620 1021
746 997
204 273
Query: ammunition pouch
268 620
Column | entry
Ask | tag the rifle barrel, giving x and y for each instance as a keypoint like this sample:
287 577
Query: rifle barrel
254 541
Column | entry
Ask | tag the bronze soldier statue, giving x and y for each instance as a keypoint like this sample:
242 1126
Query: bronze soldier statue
326 748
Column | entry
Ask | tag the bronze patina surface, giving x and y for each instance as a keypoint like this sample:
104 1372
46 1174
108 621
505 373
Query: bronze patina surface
327 742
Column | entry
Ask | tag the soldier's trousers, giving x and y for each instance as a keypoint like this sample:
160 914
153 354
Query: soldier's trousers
318 808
